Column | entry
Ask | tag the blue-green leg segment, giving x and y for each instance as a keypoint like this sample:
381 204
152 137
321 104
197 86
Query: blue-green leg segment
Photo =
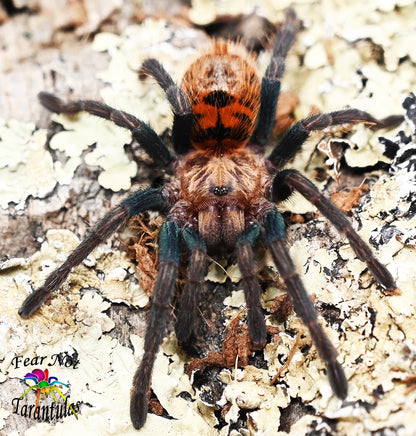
159 312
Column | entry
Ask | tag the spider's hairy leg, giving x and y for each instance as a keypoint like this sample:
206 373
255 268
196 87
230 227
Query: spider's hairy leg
181 106
250 284
270 85
276 242
288 180
141 132
292 140
195 281
161 306
150 199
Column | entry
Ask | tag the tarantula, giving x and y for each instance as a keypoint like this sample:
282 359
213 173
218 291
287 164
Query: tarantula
223 194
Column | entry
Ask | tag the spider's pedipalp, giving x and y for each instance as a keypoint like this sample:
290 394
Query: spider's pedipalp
270 85
188 300
136 203
275 241
250 284
144 134
161 305
288 180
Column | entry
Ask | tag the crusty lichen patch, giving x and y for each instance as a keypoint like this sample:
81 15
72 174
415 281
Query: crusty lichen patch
26 167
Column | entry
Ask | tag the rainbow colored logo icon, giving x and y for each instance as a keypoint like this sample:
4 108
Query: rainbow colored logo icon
45 385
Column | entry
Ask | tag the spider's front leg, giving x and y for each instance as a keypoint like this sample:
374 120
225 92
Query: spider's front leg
150 199
161 305
276 242
288 180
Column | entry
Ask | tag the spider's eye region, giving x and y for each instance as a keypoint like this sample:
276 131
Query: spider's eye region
220 190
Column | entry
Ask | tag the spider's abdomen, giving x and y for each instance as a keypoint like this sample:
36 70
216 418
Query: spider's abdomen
224 91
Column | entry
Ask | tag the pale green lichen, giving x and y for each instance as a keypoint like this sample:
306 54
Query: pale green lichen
26 167
82 131
236 299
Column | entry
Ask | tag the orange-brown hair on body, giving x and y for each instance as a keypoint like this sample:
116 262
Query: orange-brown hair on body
224 90
221 195
221 180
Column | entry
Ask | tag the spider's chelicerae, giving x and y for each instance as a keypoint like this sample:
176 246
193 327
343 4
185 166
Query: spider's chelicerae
223 195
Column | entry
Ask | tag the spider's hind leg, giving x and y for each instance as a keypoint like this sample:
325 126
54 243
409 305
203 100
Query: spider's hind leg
288 180
270 85
183 116
276 242
141 132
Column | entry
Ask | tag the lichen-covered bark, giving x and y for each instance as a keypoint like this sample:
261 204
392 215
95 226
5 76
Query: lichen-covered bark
354 54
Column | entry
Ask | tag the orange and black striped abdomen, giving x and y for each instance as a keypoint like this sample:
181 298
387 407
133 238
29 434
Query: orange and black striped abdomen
224 91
